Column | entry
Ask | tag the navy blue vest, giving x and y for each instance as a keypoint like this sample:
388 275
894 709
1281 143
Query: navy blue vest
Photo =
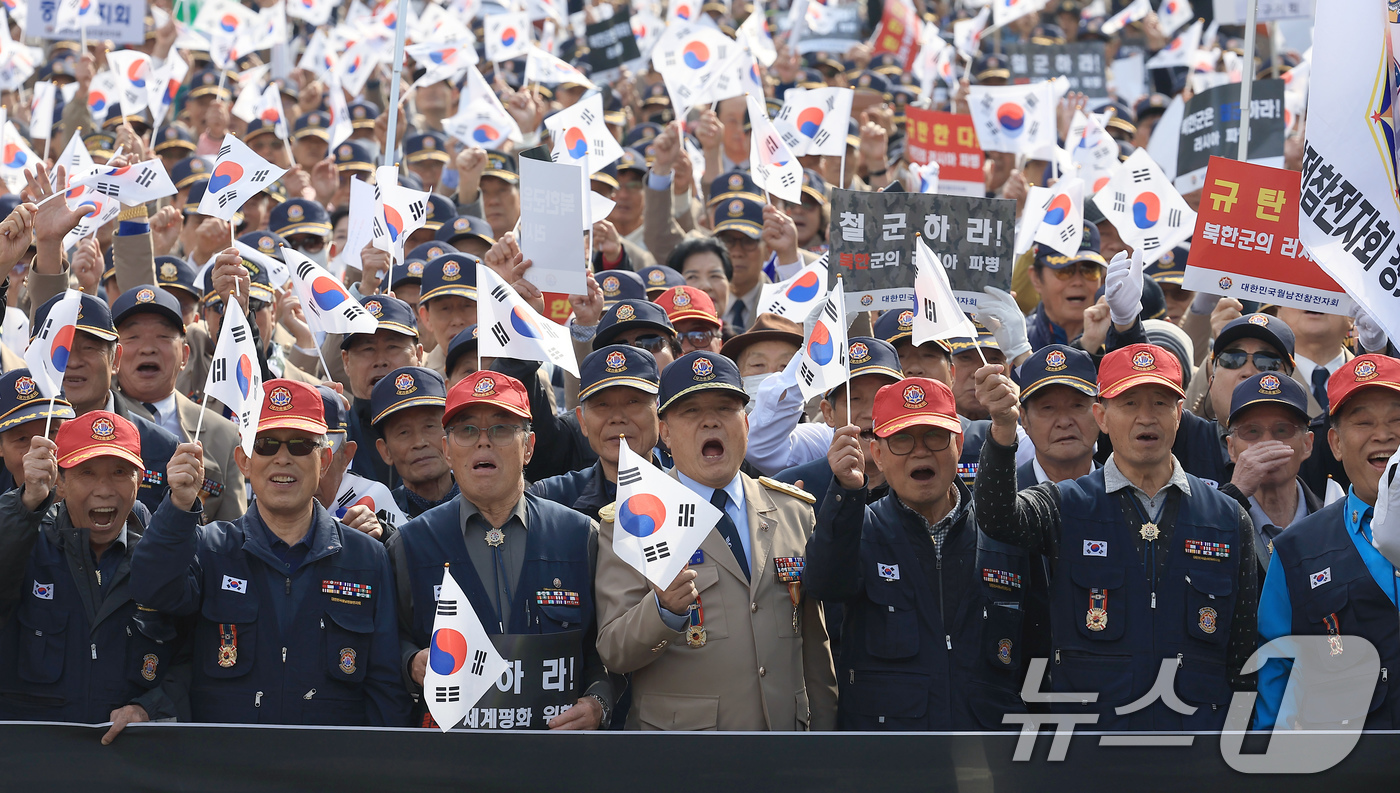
1194 603
932 645
1360 607
556 549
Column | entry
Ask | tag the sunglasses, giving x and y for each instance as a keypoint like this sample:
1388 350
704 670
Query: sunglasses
1091 272
297 447
697 338
652 344
1263 361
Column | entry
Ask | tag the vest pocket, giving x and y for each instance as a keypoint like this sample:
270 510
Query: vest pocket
349 637
1333 696
893 629
565 617
885 700
1209 606
1001 635
42 643
150 645
228 646
1101 611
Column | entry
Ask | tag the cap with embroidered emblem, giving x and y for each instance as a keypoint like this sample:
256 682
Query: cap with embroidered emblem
914 402
449 274
627 314
98 433
686 302
1269 388
148 300
393 315
621 285
1056 364
292 405
659 278
618 365
1138 364
464 342
487 388
21 401
696 372
1363 371
94 317
404 388
1269 329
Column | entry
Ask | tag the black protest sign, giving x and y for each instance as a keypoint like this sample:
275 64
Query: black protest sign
1081 63
1210 127
839 29
611 43
542 680
873 237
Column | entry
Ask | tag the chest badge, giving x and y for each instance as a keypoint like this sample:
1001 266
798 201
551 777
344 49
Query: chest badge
1149 531
1004 651
1334 634
228 645
495 538
347 660
1207 620
1097 617
149 662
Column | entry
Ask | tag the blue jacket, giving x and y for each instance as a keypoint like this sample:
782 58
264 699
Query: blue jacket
336 660
586 490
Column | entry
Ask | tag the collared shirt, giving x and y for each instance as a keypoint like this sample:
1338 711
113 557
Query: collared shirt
1307 365
293 555
167 415
1276 610
1115 480
106 566
938 532
750 312
1041 476
737 508
1265 529
498 579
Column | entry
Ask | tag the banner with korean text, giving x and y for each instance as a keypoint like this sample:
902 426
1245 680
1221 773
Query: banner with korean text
950 140
1246 242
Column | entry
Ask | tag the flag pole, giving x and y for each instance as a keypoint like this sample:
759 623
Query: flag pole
400 32
1247 75
322 356
841 175
49 420
199 425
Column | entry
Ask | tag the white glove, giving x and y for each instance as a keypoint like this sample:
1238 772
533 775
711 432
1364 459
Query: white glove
1385 524
999 313
1371 334
1124 288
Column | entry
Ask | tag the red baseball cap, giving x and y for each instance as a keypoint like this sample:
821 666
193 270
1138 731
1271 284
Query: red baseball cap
1138 364
293 405
487 388
915 401
99 433
687 302
1363 371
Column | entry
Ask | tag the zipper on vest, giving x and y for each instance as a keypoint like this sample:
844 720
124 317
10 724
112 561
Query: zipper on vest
947 637
284 655
257 700
289 586
1384 675
94 651
1154 600
1057 657
1179 663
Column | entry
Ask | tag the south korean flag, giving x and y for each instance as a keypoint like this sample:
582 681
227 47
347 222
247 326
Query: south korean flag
462 663
399 212
238 175
823 365
660 522
1014 118
328 306
357 491
510 328
1148 212
1061 217
579 134
775 168
815 121
132 184
235 376
797 297
101 209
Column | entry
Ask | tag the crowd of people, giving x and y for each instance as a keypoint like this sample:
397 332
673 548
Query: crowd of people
1117 473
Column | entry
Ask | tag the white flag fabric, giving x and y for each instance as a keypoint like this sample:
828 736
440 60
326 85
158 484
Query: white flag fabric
134 75
937 314
102 95
165 86
660 522
238 175
579 134
510 328
679 12
1138 9
824 364
317 58
278 273
132 184
15 156
462 662
815 121
269 111
1014 118
76 161
797 297
355 491
507 36
235 376
924 178
1005 12
753 34
442 61
775 169
1179 50
1062 216
317 12
342 127
102 209
72 16
249 92
967 33
1094 152
356 65
1148 212
400 211
325 299
41 108
1028 222
543 68
686 55
1172 14
735 77
483 124
47 355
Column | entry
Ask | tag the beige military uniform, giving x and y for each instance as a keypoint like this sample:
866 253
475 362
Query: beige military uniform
224 495
754 672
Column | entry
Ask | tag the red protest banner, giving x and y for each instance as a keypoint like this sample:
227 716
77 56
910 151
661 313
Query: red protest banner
1246 242
898 33
556 307
950 140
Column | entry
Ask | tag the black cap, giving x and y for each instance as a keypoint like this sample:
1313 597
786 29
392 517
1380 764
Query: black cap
1056 364
642 134
337 413
172 272
362 114
147 300
1088 251
441 211
316 124
207 81
174 137
1270 330
426 147
895 325
189 170
94 317
735 184
658 278
449 274
1274 388
258 127
618 365
621 285
744 215
354 155
404 388
991 67
607 175
393 314
266 243
871 356
627 314
300 216
632 160
503 166
465 341
1171 268
22 402
699 371
465 226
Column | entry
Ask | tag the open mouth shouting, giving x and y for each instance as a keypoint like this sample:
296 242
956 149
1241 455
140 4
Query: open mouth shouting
103 517
922 473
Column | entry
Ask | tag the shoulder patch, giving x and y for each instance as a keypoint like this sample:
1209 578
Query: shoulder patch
607 512
784 487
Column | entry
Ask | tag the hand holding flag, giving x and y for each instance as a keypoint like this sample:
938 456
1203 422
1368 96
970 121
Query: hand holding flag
462 662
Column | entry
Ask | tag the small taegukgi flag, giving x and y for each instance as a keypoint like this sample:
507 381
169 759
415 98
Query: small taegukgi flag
1148 212
400 211
512 329
815 121
235 376
329 306
130 184
823 365
1062 217
238 175
580 134
462 662
356 490
796 297
660 522
775 169
937 314
507 36
134 75
47 356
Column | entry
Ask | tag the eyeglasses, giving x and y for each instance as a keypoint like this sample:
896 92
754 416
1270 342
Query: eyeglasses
740 241
629 184
1091 272
651 343
1263 361
698 338
297 447
935 440
1282 431
254 306
498 434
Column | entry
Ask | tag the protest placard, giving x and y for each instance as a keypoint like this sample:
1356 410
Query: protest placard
1081 63
121 21
898 33
551 212
611 43
950 140
1210 127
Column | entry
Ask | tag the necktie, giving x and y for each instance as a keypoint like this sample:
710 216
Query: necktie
155 414
736 315
729 531
1319 386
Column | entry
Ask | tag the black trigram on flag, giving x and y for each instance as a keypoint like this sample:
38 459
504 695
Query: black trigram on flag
500 293
596 146
771 145
830 311
930 310
686 516
261 176
225 150
226 197
1174 218
447 693
1120 202
304 269
1141 175
1151 243
805 372
587 117
218 372
1067 232
787 179
478 661
239 333
416 210
656 552
499 331
1031 101
822 137
146 178
790 139
447 608
779 309
48 328
108 189
629 477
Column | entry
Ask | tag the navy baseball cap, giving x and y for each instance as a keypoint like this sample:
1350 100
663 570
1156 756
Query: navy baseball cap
441 211
699 371
354 155
1275 388
426 146
744 215
465 341
1088 251
503 166
404 388
148 300
427 251
266 243
316 124
618 365
983 339
631 313
300 216
735 184
1057 364
1270 330
393 314
895 325
621 285
173 136
1171 268
410 272
659 278
449 274
337 413
21 401
172 272
94 317
363 114
465 226
871 356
